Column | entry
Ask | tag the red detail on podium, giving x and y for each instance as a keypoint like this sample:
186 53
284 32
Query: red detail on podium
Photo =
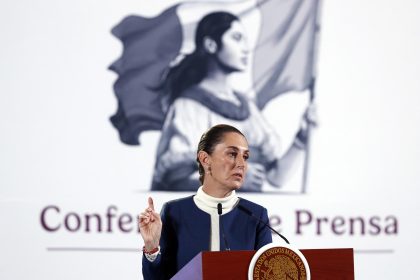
325 264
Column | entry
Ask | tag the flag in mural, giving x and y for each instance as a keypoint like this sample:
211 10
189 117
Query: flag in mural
165 81
284 55
149 47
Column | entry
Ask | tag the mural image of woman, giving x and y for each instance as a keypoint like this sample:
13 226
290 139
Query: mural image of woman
198 96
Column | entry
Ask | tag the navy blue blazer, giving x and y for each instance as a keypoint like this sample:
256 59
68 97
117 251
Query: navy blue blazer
186 232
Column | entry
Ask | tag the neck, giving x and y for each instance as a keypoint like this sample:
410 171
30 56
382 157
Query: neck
216 78
221 90
215 191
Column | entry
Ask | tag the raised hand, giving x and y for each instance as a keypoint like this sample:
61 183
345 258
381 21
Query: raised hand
150 226
309 120
254 178
310 117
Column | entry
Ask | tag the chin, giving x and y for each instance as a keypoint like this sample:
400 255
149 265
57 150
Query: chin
236 185
238 68
231 67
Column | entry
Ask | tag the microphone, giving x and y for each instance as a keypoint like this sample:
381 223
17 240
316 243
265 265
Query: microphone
219 211
249 213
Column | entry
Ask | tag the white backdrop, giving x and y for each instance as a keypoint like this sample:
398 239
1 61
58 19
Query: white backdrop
58 149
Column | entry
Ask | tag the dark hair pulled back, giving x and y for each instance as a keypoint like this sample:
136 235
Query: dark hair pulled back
193 68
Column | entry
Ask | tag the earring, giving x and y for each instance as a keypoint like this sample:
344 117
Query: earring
212 49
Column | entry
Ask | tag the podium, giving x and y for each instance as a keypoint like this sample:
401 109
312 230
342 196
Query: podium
325 264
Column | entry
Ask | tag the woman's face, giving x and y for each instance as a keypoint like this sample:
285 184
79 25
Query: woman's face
233 53
228 162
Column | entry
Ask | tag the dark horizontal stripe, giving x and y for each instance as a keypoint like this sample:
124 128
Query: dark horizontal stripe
92 249
103 249
378 251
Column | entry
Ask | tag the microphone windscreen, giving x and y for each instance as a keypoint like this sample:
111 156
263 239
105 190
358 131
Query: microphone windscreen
219 208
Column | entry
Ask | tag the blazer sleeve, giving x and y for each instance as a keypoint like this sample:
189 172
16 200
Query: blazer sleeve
164 266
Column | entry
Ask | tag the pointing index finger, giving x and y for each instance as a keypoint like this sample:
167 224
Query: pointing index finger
151 205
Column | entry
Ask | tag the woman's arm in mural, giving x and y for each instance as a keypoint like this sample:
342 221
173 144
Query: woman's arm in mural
284 166
176 158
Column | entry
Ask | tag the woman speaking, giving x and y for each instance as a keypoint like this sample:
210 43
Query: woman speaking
210 220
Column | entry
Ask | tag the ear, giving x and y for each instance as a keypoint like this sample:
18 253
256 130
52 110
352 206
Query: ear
204 158
210 45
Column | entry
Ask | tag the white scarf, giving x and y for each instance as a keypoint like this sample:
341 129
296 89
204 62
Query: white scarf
208 204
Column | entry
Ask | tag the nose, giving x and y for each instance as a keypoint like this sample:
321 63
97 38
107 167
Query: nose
240 162
245 48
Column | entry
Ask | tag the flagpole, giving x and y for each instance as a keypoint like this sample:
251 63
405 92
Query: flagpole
311 98
308 140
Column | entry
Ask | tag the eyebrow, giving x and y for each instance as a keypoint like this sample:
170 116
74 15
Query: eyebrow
236 148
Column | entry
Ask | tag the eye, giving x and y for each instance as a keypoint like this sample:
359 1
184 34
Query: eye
237 36
233 154
246 157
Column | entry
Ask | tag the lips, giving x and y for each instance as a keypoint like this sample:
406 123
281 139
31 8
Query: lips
244 60
238 175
